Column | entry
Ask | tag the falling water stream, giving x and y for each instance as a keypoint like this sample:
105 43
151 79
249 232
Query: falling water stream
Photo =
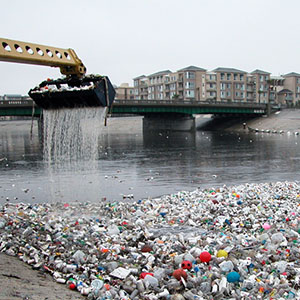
72 134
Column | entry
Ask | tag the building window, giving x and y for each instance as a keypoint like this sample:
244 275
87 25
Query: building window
228 76
242 87
190 94
190 85
242 94
173 86
229 85
235 77
222 94
228 94
237 94
189 75
222 86
261 78
237 85
241 76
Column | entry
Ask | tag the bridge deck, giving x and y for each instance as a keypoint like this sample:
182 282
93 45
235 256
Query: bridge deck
186 107
24 107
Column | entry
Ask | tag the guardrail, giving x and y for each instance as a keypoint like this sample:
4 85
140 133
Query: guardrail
17 103
188 103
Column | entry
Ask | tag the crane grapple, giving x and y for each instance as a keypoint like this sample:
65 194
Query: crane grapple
75 90
88 91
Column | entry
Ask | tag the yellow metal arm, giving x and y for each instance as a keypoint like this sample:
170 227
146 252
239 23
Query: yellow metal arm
29 53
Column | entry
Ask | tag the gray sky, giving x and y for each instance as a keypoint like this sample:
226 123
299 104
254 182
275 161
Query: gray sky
127 38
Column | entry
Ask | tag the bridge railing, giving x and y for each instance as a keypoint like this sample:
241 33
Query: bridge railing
17 103
188 103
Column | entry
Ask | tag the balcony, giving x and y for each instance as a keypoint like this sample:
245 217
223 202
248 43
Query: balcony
208 88
210 80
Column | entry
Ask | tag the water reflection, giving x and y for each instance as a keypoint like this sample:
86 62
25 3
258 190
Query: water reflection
143 165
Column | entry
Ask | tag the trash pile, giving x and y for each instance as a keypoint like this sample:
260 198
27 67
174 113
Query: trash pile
239 242
61 87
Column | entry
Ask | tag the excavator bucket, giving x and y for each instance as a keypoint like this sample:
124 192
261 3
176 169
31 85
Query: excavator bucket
73 92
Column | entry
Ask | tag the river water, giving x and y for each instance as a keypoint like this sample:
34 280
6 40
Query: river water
136 165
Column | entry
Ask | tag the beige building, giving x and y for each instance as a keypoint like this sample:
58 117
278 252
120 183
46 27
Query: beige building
191 83
221 84
261 85
230 84
140 85
124 91
158 85
292 87
185 84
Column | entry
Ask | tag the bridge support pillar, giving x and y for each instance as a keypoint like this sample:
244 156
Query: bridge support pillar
169 122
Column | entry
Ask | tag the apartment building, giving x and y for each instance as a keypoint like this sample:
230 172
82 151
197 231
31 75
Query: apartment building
185 84
221 84
140 85
124 92
291 91
230 84
261 85
158 85
191 83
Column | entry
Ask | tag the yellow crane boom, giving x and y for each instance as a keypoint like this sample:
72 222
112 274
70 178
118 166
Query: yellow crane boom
76 90
29 53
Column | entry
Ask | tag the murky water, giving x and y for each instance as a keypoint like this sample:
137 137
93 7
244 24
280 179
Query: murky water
143 165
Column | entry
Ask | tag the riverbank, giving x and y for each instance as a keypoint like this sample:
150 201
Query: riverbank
284 121
18 281
239 242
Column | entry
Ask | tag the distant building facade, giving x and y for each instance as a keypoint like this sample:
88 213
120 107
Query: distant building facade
221 84
124 92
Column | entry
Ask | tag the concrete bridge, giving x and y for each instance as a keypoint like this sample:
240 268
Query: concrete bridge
162 114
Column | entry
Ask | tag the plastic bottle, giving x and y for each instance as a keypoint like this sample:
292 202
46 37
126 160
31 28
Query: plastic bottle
226 266
281 266
96 286
151 280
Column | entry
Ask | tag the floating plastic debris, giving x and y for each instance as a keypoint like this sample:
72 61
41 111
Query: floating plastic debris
188 245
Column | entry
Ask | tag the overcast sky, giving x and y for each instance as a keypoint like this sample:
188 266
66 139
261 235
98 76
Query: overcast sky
127 38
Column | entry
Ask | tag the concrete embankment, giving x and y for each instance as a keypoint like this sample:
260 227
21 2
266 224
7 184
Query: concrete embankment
287 120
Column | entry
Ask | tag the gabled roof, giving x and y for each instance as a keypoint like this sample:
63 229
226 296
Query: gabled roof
191 68
139 77
292 74
257 71
229 70
160 73
285 91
